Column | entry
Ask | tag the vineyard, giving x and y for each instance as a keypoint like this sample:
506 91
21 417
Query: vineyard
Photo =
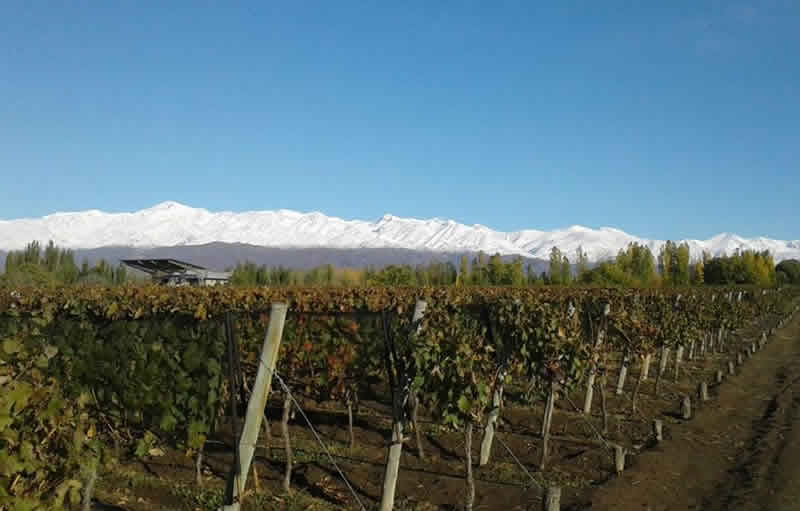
484 398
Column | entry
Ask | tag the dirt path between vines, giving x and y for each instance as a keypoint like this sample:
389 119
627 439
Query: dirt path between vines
741 451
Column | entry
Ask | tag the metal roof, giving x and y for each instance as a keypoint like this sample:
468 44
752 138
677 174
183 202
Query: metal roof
153 266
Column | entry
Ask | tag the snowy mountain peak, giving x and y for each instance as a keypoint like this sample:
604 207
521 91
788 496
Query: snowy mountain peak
171 223
169 206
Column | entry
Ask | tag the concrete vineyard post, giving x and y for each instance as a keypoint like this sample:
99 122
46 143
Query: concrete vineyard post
642 377
686 408
88 485
396 447
646 366
658 428
552 499
623 372
702 391
731 370
718 377
662 366
491 422
619 458
258 399
678 360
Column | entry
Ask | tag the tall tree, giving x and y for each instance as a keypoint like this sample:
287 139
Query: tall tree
555 266
582 262
516 276
566 270
496 269
463 271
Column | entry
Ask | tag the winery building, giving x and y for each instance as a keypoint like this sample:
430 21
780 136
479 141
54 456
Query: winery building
172 272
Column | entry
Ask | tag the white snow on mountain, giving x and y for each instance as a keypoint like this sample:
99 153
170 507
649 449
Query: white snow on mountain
171 224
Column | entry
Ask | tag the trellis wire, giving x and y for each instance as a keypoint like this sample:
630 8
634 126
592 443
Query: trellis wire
319 440
534 481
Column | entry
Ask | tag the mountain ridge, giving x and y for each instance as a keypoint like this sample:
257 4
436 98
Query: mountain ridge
170 224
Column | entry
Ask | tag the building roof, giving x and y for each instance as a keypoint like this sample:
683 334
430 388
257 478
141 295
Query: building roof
153 266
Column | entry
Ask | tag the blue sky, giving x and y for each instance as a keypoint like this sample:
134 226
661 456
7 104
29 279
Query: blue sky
669 122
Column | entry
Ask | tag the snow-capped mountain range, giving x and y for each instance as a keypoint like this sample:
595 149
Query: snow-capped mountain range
172 224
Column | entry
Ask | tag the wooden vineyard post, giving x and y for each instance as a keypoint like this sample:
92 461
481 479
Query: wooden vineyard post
552 499
258 401
470 496
287 443
739 359
546 423
349 399
601 333
396 447
413 399
718 377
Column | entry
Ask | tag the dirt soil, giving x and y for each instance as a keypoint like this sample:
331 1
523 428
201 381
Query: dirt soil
740 452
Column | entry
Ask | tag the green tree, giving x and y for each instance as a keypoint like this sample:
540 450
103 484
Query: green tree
698 274
788 272
582 263
681 264
463 271
556 264
566 270
496 270
515 274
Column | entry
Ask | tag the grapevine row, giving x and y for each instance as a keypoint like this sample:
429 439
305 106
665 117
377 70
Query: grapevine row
152 358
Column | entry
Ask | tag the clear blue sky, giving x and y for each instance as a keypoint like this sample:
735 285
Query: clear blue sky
665 122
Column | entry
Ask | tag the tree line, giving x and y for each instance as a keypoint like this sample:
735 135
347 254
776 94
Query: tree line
51 265
633 266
